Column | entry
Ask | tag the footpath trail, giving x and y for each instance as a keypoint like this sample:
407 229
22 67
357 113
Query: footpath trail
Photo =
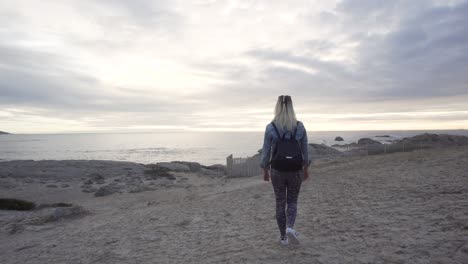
395 208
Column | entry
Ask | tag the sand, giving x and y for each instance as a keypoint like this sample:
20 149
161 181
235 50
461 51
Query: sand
395 208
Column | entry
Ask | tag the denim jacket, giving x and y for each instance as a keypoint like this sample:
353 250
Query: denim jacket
270 139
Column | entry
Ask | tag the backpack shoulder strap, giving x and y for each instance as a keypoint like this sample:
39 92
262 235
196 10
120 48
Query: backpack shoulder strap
295 130
276 129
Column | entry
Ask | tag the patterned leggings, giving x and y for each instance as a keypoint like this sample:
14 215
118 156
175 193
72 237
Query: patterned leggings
286 185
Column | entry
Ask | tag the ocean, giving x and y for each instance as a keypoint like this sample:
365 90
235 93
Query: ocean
204 147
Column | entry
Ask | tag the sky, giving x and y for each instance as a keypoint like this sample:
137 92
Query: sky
207 65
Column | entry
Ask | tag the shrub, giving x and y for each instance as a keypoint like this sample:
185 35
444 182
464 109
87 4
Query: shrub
16 204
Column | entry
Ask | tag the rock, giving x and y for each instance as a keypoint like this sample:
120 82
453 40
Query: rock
52 186
216 168
339 139
174 166
66 212
107 190
140 188
5 184
437 140
157 172
322 152
64 185
204 171
88 182
193 166
89 189
96 177
367 141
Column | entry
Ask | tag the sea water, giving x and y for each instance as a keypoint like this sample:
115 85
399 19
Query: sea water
204 147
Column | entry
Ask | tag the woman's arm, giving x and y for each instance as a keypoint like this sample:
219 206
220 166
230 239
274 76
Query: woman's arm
265 159
305 154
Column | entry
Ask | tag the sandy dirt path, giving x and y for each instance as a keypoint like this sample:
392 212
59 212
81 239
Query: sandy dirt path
395 208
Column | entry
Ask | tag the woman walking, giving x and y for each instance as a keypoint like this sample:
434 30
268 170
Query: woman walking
285 155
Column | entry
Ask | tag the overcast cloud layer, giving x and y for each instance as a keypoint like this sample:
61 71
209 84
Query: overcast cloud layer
117 65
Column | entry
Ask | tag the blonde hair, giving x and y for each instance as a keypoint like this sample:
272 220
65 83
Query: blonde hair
284 113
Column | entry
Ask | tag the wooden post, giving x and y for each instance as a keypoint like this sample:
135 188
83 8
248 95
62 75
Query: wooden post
229 163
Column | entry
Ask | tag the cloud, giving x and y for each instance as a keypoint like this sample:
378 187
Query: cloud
221 64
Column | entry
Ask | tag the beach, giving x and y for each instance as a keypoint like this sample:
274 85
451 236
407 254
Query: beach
406 207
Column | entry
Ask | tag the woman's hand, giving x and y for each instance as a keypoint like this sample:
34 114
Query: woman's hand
306 173
266 175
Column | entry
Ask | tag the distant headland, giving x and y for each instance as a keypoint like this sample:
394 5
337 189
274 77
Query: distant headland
3 133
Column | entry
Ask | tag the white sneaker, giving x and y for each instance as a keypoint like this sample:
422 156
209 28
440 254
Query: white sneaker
284 242
292 235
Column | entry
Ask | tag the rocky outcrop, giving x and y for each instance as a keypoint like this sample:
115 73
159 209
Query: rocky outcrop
187 166
367 141
436 140
367 146
108 190
321 151
3 133
339 139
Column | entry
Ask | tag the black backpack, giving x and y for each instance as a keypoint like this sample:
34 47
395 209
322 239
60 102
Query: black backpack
287 155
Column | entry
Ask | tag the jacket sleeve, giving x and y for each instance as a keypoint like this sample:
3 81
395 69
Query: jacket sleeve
266 150
305 152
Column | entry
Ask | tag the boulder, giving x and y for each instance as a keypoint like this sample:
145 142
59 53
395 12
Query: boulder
156 172
108 190
367 141
140 188
88 189
193 166
339 139
96 177
216 168
437 140
321 151
66 212
174 166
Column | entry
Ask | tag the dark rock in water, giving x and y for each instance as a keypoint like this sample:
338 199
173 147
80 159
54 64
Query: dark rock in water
339 139
16 204
367 141
64 185
107 190
52 186
386 136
